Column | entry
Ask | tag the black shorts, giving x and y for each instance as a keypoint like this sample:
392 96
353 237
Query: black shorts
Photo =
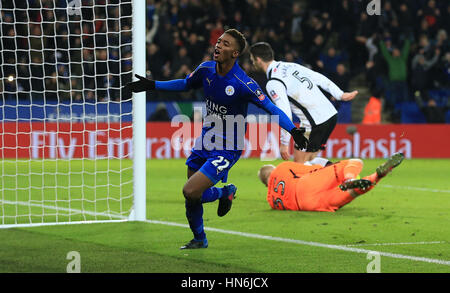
320 134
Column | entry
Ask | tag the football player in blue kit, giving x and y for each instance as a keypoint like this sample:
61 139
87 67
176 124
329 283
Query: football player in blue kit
228 91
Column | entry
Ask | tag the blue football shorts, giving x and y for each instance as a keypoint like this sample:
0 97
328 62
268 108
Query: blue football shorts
214 164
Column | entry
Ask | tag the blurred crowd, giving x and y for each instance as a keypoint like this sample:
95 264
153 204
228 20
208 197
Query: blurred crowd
402 53
50 53
56 53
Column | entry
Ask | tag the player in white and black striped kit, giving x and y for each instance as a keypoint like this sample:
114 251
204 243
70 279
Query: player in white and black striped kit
293 87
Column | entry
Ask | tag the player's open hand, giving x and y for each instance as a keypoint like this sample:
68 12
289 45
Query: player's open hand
301 142
284 151
349 96
143 84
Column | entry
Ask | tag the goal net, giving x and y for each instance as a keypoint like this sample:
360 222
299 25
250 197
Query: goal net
66 131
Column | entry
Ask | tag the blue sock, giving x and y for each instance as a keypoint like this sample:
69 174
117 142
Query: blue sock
194 214
211 194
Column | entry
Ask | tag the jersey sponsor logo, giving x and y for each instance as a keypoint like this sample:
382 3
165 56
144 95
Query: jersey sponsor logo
260 94
229 90
217 110
209 81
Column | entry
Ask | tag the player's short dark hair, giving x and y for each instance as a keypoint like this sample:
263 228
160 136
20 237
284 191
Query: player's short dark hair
240 39
262 50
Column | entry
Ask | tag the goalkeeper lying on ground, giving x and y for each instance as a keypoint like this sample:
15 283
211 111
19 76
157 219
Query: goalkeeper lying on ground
320 187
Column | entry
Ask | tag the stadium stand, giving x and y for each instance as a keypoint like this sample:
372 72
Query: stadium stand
336 38
98 50
324 36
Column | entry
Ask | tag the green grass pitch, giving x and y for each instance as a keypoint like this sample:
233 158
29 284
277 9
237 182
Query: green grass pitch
405 218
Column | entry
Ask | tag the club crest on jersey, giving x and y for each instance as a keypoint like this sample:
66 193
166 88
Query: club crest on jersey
229 90
260 94
273 94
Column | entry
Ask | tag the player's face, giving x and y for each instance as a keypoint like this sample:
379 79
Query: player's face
255 63
264 173
225 49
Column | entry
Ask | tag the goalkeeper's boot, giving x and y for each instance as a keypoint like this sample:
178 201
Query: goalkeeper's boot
194 244
355 183
226 200
390 164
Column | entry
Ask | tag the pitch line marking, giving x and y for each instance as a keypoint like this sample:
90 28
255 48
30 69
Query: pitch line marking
76 211
398 243
10 226
416 188
244 234
311 243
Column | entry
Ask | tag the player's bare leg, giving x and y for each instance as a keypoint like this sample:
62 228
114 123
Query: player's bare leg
311 156
190 172
196 185
225 201
300 156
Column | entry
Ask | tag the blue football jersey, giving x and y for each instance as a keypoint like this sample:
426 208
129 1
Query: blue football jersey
227 98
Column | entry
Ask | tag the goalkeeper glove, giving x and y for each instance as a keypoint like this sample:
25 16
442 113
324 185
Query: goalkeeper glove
301 142
143 84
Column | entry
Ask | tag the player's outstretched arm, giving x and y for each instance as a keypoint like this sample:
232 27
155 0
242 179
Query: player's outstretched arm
261 100
277 92
349 96
145 84
332 88
301 142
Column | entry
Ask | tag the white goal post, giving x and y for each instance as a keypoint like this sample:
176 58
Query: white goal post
139 108
72 140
